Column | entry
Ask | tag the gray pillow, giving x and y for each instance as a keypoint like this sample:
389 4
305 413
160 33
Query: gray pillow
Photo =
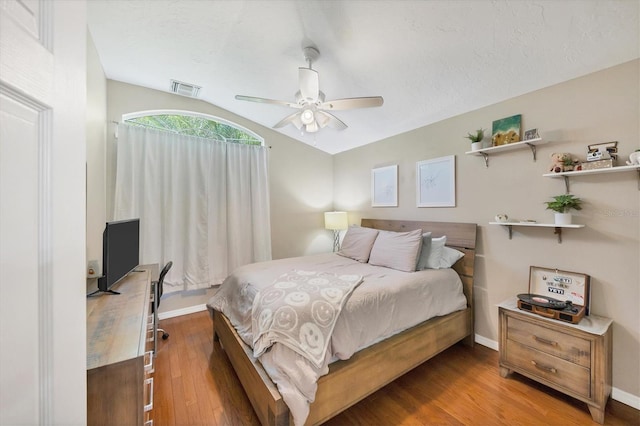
424 251
397 250
357 243
434 256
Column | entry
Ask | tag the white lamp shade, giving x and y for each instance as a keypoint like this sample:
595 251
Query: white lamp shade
336 220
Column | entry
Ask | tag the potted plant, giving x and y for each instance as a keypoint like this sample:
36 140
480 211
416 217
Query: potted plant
562 204
568 164
476 140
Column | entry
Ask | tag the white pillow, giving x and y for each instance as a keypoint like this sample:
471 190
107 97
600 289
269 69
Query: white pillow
397 250
449 257
357 243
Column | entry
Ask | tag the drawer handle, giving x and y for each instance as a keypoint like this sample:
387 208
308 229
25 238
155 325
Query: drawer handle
148 366
149 406
544 368
545 341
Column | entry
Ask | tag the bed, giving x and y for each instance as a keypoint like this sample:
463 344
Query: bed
349 381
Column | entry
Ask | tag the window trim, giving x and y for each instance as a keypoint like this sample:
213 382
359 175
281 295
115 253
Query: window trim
147 113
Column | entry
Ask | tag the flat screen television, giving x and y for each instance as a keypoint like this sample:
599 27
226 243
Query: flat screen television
120 252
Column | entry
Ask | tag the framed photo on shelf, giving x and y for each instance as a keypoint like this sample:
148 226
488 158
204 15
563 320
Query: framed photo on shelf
506 130
531 134
436 182
384 186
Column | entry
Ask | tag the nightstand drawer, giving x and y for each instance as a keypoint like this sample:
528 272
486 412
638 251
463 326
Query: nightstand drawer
553 342
561 373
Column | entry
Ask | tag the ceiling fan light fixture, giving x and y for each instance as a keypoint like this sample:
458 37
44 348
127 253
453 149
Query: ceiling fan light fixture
307 117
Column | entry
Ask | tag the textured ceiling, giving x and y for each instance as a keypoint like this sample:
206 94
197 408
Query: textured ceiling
429 59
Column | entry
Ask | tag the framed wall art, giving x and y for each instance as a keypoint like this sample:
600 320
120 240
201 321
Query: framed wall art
384 186
506 130
436 182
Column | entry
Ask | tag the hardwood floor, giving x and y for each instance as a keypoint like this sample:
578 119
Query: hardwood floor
195 385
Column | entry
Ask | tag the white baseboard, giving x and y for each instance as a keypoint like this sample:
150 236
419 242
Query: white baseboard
626 398
617 394
183 311
491 344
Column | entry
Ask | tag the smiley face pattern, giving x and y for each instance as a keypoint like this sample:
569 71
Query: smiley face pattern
300 310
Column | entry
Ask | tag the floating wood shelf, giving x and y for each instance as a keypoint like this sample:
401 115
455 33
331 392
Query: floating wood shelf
619 169
557 228
484 152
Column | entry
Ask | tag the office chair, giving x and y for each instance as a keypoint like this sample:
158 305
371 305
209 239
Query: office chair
157 296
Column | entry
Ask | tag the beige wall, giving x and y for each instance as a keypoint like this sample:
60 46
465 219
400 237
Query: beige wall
300 178
600 107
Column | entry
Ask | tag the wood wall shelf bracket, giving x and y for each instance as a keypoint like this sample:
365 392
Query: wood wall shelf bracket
557 229
533 149
486 158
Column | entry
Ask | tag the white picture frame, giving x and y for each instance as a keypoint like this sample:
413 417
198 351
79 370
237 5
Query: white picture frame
436 182
384 186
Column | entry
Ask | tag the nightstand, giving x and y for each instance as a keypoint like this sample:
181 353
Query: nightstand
572 358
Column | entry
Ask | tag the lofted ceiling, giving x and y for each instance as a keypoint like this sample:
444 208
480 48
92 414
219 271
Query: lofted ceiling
429 59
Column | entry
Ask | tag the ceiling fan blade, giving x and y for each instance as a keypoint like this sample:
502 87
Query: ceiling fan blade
325 119
267 101
309 84
290 119
352 103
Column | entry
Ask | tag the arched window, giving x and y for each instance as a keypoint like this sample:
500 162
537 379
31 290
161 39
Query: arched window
194 124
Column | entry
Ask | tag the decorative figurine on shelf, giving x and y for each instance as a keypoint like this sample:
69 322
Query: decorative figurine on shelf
502 218
634 158
558 162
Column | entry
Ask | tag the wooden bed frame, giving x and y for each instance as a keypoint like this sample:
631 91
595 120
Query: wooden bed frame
372 368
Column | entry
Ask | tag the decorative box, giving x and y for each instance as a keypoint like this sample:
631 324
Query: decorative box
598 164
556 294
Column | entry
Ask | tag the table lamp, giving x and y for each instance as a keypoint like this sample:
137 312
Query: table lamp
336 221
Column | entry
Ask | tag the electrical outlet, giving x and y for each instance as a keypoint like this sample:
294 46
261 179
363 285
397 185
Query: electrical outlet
93 269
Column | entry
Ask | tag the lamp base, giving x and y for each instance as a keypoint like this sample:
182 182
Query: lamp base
336 240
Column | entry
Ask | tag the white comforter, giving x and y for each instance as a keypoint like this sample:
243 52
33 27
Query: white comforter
387 302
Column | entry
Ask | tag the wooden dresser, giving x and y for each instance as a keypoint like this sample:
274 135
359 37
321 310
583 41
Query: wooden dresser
120 352
572 358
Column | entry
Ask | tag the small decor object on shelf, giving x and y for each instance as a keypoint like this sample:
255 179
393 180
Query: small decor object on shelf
634 158
558 162
602 151
502 218
562 204
531 134
476 140
506 130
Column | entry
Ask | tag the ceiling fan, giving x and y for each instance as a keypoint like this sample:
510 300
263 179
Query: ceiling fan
313 110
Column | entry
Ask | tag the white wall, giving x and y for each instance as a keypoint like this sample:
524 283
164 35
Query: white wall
96 154
600 107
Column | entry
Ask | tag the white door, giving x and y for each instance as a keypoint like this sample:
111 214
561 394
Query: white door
42 193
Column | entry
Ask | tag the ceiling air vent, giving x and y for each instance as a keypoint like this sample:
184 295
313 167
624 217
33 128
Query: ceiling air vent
184 89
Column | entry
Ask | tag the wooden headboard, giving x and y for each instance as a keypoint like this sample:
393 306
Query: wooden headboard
461 236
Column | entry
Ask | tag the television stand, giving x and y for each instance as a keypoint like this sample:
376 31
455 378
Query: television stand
120 353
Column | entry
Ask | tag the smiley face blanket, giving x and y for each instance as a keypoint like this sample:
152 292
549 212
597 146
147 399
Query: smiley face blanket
300 310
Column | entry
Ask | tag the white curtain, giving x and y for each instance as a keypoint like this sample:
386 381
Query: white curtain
202 203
